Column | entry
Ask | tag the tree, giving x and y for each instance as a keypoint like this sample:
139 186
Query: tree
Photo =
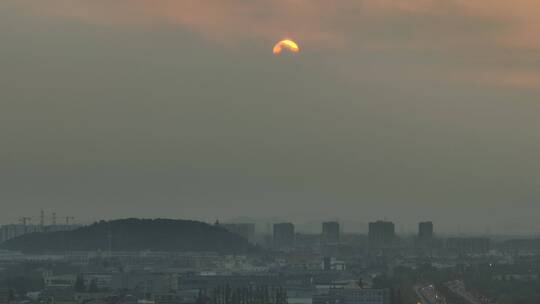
93 286
79 284
11 295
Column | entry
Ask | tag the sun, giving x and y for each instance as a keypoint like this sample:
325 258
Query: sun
285 44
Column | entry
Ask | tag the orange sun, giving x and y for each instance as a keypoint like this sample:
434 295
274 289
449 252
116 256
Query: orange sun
285 44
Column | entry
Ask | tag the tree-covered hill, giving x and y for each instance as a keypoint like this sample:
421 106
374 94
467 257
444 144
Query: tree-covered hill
135 235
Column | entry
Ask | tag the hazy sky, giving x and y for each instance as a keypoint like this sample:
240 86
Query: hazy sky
407 110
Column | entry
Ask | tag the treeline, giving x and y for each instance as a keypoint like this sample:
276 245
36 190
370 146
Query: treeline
243 295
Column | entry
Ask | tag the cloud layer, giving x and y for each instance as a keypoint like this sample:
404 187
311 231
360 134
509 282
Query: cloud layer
471 38
318 20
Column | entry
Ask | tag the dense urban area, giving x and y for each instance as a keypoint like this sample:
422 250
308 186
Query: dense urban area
186 262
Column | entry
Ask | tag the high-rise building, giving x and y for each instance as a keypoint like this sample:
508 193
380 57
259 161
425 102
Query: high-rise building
8 232
283 235
425 230
382 232
330 232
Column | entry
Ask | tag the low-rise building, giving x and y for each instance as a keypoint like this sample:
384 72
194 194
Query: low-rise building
354 294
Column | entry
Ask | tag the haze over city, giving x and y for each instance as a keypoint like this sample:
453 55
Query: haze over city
409 111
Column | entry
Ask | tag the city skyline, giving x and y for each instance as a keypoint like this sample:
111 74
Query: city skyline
263 226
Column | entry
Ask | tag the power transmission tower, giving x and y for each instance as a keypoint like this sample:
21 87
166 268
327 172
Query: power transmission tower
25 221
69 218
42 221
109 236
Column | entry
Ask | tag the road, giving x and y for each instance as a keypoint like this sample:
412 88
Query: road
428 294
458 287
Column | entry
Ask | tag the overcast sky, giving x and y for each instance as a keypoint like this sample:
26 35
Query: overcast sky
406 110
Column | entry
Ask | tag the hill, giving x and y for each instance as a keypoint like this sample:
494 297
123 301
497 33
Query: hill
135 235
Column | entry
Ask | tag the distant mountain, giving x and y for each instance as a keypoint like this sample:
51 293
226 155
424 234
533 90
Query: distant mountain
135 235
